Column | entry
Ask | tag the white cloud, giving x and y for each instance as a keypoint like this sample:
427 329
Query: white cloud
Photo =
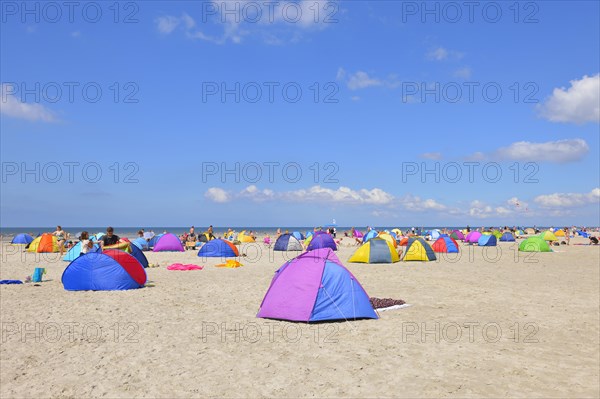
560 151
342 195
167 24
216 194
246 17
438 54
415 203
435 156
317 193
579 104
441 54
568 200
480 210
361 80
12 107
463 73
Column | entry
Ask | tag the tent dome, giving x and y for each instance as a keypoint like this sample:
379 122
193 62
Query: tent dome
507 237
418 249
321 240
287 242
487 240
104 271
22 239
445 245
473 237
168 243
377 250
315 286
534 244
45 243
218 248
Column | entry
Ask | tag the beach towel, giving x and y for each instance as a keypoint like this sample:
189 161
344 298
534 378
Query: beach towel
382 305
394 307
230 264
11 282
179 266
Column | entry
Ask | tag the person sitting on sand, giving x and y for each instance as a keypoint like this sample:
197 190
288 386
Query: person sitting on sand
593 240
61 237
209 231
109 238
192 235
86 243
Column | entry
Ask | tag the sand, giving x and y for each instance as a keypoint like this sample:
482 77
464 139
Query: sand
512 325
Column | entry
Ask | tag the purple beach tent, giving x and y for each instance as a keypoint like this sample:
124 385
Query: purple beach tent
321 240
315 286
168 242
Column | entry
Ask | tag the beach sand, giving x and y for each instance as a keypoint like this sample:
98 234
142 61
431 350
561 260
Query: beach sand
508 325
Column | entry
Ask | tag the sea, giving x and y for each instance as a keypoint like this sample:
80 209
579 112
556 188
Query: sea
131 232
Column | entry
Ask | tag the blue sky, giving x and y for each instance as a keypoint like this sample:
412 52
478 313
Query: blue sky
387 89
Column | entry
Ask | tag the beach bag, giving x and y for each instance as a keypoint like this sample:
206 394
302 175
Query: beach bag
38 274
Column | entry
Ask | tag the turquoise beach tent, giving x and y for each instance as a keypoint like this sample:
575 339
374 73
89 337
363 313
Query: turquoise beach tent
75 251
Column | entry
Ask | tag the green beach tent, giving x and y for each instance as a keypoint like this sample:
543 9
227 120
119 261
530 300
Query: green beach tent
534 244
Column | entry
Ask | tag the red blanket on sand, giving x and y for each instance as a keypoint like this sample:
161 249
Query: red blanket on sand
179 266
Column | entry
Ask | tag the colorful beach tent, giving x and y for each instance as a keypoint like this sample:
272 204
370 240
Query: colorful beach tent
321 240
548 236
389 238
398 232
473 237
435 234
139 255
534 244
287 242
22 239
75 251
45 243
529 231
141 243
507 237
457 235
315 286
358 234
377 250
487 240
445 245
105 271
218 248
154 240
370 234
205 237
299 236
419 250
168 243
559 233
242 237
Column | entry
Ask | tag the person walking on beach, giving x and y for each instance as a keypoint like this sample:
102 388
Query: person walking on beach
61 237
109 238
